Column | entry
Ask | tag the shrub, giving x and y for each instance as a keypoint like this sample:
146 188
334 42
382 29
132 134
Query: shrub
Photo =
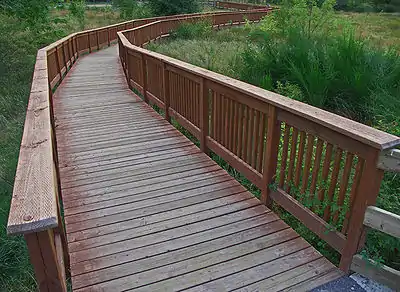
33 12
171 7
197 30
131 9
77 9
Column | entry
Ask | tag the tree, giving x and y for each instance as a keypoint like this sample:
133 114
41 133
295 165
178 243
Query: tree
33 12
171 7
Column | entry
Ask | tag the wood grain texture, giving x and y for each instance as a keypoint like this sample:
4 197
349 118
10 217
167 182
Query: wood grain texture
143 204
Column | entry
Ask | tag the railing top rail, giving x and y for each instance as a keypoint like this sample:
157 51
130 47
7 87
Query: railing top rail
352 129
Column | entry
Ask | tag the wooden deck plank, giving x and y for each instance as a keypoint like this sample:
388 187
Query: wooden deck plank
160 260
175 244
145 209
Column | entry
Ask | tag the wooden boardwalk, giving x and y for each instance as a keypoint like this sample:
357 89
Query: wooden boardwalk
146 210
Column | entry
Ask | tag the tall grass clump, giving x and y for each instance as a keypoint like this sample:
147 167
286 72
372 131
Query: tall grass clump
299 50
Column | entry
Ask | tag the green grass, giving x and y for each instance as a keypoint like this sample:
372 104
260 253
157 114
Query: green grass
366 89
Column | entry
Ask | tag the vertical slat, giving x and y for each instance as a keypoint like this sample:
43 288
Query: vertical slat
144 79
235 127
260 147
90 48
231 118
285 148
215 113
271 157
240 131
256 138
307 163
299 160
353 192
344 184
97 40
58 63
108 37
325 171
226 120
292 158
204 117
245 132
166 94
332 186
250 138
316 167
367 193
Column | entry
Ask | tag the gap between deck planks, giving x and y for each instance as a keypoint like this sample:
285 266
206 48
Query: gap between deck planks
146 210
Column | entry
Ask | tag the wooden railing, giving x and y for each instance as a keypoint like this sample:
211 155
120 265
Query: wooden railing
35 207
319 166
388 223
235 5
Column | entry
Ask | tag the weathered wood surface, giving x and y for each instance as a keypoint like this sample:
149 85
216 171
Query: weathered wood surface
146 210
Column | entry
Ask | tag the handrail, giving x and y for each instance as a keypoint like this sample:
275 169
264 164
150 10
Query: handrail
301 157
35 205
388 223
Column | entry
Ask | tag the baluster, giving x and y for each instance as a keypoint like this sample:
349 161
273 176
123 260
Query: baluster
271 154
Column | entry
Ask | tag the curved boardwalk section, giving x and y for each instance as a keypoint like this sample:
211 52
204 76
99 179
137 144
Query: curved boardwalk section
146 210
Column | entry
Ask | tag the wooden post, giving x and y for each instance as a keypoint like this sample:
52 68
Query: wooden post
271 154
76 51
204 116
70 52
63 54
97 40
144 78
366 195
88 37
43 255
58 63
126 68
108 37
73 49
166 92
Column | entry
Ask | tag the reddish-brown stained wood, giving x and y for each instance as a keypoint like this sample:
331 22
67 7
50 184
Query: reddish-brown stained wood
235 127
240 131
307 162
204 116
285 148
293 146
271 157
325 172
256 138
343 184
316 167
245 133
353 192
333 182
299 160
260 146
370 182
250 137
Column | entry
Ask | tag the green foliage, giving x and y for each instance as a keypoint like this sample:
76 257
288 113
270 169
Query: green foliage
339 73
131 9
77 9
197 30
171 7
33 12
